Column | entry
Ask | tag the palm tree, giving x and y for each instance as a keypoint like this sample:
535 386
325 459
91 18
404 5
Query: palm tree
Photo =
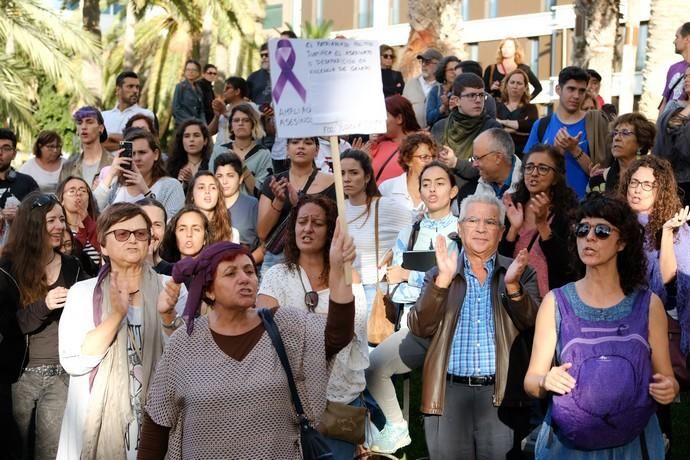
594 40
309 30
433 23
36 43
664 19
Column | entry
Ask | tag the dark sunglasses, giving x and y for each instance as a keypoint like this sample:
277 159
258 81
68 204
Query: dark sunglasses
387 56
601 231
311 300
43 200
122 235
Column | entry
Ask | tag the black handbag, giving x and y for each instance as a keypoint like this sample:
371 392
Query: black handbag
314 445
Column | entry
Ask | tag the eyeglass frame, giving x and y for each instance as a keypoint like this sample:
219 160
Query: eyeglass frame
8 149
634 184
536 167
622 132
476 159
129 234
601 231
475 96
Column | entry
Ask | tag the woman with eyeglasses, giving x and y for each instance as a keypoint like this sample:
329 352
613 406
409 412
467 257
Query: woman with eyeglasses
538 217
111 336
651 190
188 99
393 81
515 112
244 131
302 282
608 336
34 281
416 151
142 175
46 164
632 135
81 212
186 235
438 101
205 192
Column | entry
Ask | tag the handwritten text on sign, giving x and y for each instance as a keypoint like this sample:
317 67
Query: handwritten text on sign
326 87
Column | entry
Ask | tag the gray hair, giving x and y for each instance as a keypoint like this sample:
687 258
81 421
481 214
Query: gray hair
500 141
483 198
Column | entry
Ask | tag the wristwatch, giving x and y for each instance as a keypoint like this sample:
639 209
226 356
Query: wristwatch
177 322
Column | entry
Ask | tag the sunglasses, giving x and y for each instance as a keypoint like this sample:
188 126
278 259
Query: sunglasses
43 200
387 56
601 231
122 235
311 300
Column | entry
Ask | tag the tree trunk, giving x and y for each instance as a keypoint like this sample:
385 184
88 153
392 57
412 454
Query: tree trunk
594 40
130 22
433 24
206 36
629 55
664 19
92 70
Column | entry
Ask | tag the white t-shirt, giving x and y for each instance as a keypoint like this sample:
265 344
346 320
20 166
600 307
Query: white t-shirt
47 180
115 119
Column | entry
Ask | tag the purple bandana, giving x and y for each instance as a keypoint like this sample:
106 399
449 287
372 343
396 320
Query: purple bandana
198 272
286 73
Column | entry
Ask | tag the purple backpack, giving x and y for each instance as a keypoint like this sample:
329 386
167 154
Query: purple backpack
610 404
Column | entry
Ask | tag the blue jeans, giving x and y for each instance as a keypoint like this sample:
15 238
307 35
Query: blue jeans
46 395
343 450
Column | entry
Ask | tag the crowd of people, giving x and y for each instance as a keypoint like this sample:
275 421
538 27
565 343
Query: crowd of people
193 303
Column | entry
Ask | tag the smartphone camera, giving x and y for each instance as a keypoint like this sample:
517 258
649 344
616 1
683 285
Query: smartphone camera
126 147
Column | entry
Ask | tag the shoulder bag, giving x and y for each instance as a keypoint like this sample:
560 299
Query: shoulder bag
313 444
378 326
393 309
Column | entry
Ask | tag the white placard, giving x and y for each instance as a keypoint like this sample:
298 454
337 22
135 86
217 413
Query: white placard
326 87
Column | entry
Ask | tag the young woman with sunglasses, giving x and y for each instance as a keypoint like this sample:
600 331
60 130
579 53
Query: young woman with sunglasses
302 281
34 281
538 217
576 318
111 336
205 192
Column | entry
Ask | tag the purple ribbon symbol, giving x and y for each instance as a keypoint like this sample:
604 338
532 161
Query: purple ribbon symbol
286 74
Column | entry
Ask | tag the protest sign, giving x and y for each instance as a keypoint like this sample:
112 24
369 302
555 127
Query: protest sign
326 87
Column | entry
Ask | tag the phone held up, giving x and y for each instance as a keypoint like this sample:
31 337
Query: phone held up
126 147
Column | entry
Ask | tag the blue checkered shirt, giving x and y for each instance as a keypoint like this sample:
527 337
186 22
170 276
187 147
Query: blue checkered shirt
473 351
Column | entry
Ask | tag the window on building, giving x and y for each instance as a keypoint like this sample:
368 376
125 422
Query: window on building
534 55
466 10
474 52
395 12
365 17
492 8
274 16
641 46
548 4
319 11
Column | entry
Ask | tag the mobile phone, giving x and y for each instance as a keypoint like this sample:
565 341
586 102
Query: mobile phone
265 106
126 153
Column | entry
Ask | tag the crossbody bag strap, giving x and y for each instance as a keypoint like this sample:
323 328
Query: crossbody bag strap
385 163
274 334
308 183
376 233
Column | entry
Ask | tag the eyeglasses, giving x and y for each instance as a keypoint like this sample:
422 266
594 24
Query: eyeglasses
6 149
541 169
474 96
211 72
122 235
475 221
424 157
52 146
387 56
263 55
241 120
601 231
75 191
43 200
622 132
646 185
477 159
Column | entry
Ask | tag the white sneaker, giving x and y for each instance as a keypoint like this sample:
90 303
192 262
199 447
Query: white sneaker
394 436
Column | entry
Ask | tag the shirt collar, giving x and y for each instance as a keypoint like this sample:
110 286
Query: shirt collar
508 182
488 264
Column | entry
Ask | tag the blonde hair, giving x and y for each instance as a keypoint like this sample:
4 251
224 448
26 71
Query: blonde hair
525 99
519 52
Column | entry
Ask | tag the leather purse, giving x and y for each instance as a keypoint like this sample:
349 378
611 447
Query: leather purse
379 327
344 422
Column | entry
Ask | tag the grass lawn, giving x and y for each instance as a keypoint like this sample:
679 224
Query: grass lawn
417 450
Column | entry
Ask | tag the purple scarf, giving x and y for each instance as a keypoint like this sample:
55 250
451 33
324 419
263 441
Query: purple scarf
199 271
681 248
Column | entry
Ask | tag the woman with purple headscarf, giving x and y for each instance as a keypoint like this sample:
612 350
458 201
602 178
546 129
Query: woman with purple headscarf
219 390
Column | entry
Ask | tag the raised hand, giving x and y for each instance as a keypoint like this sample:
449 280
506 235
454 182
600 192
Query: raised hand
557 380
279 190
168 298
446 263
514 213
447 156
185 174
119 295
516 269
678 218
134 177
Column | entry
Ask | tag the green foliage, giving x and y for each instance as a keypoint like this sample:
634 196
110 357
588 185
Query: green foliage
309 30
55 114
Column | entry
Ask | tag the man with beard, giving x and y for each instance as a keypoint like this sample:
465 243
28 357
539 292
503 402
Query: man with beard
673 90
417 89
127 91
14 186
582 137
93 157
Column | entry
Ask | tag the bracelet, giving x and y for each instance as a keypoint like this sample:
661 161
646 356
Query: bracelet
579 155
149 193
276 209
515 295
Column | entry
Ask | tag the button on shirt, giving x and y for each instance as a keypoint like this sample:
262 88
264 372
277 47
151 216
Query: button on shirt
473 351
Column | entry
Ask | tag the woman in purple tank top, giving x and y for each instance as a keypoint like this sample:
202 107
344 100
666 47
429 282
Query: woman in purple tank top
609 337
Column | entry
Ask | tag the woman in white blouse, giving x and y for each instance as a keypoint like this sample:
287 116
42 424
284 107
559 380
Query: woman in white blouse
302 280
362 206
416 151
47 162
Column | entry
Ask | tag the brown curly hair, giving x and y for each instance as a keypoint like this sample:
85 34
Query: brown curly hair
291 250
667 201
410 145
645 130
